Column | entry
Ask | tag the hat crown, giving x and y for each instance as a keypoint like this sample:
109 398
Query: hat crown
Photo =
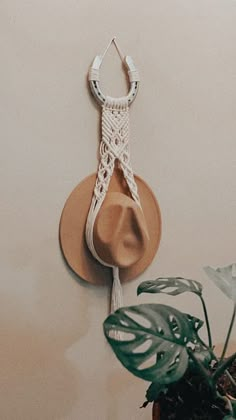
120 233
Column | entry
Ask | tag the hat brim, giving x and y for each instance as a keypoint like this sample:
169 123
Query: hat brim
73 223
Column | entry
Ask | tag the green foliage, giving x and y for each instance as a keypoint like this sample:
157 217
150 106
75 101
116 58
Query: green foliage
202 356
174 286
171 286
223 366
154 340
159 343
154 390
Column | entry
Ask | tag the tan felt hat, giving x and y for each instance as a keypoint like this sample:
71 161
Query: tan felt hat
120 233
123 236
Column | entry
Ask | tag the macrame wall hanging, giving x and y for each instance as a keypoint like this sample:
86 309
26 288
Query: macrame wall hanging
111 225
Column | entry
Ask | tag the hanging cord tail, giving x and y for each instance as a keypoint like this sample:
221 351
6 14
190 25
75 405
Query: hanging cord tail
116 293
116 299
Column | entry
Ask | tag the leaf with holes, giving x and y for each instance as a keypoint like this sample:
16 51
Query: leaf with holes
171 286
195 323
154 341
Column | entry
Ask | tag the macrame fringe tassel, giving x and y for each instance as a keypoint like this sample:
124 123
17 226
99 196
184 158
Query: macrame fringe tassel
117 293
116 298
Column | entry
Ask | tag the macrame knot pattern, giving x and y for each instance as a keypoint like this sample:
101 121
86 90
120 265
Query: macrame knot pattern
114 145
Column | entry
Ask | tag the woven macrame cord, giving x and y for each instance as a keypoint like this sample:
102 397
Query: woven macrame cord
114 147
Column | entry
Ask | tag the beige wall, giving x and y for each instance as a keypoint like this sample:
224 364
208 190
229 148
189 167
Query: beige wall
54 362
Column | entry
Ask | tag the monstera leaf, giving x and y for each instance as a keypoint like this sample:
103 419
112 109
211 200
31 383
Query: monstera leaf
155 340
171 285
195 323
224 278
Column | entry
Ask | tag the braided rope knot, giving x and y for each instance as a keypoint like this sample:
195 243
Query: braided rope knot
114 146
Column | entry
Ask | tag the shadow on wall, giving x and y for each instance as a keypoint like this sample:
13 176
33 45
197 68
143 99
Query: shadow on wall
38 325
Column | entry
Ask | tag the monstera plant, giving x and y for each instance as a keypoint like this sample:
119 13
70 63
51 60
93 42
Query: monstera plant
163 345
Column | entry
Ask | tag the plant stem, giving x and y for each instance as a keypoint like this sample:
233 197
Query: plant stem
223 366
229 333
202 369
214 357
230 378
207 321
226 372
